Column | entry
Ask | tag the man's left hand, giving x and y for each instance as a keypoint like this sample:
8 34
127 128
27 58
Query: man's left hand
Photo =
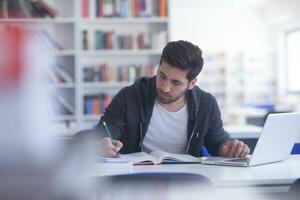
234 148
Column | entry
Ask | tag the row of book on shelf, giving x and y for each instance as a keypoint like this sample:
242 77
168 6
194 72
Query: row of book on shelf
26 9
113 40
101 73
106 73
96 104
123 8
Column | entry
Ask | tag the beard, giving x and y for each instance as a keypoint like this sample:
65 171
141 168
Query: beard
166 98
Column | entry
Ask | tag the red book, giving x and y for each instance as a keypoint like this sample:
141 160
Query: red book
104 73
137 8
108 39
85 8
141 41
99 8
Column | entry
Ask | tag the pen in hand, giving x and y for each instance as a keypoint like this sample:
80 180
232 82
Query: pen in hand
110 136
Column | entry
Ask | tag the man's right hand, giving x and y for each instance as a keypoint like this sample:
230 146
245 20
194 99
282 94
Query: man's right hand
108 149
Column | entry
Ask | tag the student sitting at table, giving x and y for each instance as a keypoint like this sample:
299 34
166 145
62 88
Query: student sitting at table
168 112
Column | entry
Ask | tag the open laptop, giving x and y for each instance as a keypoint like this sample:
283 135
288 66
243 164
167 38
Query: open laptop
275 143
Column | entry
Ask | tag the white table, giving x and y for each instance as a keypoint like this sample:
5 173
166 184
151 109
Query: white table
276 177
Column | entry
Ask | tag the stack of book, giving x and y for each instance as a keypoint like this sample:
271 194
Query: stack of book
125 73
26 9
124 8
96 104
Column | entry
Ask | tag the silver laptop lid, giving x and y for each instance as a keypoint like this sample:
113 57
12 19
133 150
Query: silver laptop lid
278 136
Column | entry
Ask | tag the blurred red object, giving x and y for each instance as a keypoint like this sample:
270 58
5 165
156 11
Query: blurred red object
12 40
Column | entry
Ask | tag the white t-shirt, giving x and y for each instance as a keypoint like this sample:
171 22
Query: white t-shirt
167 131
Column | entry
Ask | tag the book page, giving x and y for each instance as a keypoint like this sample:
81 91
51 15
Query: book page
141 158
162 156
135 158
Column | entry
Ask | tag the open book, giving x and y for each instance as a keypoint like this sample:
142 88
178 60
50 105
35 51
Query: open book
155 157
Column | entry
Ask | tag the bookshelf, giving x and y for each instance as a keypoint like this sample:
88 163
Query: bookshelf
137 32
239 81
213 76
132 47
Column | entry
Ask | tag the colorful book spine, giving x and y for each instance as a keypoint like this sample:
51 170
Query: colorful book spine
137 8
88 105
124 8
163 8
108 8
123 12
99 44
85 8
85 41
101 2
108 39
96 104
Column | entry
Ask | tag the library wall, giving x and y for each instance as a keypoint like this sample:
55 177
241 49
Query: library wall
238 47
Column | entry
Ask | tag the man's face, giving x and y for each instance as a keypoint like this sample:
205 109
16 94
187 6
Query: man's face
171 84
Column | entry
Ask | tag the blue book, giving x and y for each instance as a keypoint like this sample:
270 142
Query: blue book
88 105
123 8
99 40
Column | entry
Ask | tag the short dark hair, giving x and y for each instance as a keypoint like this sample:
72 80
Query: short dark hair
183 55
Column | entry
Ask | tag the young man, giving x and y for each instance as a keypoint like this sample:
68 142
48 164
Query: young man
168 111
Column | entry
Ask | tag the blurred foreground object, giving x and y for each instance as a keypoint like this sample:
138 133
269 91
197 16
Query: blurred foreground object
34 164
155 185
12 42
